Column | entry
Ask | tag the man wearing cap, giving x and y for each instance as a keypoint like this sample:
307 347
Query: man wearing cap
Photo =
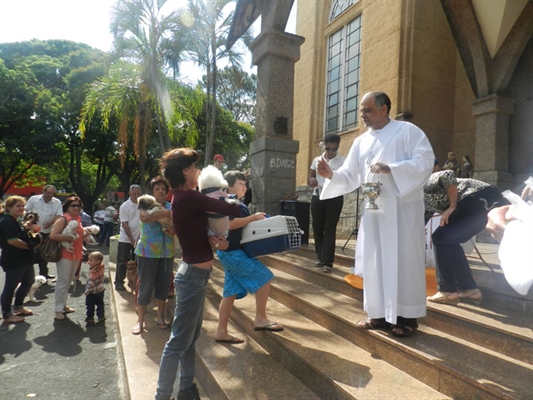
218 161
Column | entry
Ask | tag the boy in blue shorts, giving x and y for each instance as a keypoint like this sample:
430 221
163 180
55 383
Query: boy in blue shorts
243 274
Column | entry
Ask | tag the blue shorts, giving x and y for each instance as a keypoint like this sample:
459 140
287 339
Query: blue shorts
243 274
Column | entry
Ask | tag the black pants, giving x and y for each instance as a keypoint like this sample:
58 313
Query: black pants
95 300
124 254
25 276
43 265
325 215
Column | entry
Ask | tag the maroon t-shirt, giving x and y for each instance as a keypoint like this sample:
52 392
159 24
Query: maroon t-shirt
189 216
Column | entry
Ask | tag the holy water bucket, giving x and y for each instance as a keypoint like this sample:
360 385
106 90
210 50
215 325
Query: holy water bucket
371 192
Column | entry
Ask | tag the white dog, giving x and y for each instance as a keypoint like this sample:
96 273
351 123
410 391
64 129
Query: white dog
89 233
39 281
212 183
70 230
150 205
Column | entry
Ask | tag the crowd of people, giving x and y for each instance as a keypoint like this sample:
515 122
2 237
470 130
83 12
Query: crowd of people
390 253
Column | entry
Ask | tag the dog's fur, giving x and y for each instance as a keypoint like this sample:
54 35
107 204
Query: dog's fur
31 226
90 232
70 230
39 281
150 205
212 183
131 275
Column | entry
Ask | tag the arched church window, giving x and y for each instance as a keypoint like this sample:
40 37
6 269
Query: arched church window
339 6
342 78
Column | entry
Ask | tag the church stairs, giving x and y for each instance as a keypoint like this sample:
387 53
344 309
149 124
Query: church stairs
462 352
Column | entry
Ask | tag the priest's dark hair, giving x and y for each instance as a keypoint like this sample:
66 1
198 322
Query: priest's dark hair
382 98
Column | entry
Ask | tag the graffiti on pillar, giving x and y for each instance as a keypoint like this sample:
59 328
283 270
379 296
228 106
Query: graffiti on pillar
281 125
282 163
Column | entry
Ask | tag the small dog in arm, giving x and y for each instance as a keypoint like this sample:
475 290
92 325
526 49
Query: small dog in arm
89 233
32 228
40 280
70 230
212 184
131 275
150 205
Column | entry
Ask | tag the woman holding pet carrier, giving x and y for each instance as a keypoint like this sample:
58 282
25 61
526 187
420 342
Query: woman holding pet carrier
155 257
16 260
189 217
68 264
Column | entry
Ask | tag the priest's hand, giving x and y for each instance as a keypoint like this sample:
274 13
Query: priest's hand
323 169
380 168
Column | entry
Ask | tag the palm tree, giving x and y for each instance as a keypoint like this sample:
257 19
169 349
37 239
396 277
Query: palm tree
123 95
207 45
142 34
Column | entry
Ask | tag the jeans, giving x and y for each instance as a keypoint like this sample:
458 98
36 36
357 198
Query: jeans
95 300
468 219
124 254
325 215
23 275
179 351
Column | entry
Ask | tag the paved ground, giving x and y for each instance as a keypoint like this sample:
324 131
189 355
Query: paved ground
44 358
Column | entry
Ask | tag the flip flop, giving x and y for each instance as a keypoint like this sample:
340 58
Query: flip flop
273 327
233 340
137 329
403 330
162 325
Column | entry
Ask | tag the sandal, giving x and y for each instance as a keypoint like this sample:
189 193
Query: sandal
472 295
68 310
444 298
403 330
23 312
162 325
373 323
13 319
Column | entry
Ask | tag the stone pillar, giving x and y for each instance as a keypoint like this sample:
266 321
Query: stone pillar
273 152
492 140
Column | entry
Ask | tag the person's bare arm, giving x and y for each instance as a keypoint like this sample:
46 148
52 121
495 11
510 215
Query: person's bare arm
311 181
497 222
451 191
147 218
237 223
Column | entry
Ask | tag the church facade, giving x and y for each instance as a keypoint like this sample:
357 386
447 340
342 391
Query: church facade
460 70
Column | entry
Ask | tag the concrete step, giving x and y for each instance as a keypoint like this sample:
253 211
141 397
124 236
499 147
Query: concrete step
328 364
447 363
241 371
498 328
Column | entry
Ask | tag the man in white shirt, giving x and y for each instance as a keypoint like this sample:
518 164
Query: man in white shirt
129 233
49 209
390 245
325 212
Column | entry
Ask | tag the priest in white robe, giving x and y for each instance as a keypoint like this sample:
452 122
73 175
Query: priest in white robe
391 243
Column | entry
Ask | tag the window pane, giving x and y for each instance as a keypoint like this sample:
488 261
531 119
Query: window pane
350 105
333 99
334 74
350 120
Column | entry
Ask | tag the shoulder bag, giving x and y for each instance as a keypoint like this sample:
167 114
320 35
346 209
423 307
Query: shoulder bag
51 251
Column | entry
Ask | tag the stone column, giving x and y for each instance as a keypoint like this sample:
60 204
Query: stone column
492 140
273 152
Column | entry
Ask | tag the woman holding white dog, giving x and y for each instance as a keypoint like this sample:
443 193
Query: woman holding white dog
155 253
189 217
16 260
68 264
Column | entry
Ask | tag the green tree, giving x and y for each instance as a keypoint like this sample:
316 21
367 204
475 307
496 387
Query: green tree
237 93
206 47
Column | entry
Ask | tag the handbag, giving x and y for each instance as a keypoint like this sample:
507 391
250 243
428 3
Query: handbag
51 250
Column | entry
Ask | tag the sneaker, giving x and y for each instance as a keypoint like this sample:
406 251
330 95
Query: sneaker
68 310
191 393
319 264
89 320
101 319
327 268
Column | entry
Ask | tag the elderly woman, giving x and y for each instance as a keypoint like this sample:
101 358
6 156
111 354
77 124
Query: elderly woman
68 264
155 257
16 260
189 216
463 205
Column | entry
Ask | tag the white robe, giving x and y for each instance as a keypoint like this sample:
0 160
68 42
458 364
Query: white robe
390 247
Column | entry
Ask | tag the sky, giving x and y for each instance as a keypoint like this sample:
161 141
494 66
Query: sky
85 21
